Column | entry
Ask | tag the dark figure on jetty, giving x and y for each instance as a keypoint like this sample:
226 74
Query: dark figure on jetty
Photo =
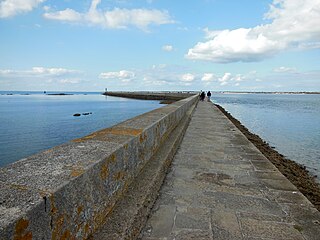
209 95
202 96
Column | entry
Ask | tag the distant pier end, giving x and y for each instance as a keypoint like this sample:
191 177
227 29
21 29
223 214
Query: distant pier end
176 96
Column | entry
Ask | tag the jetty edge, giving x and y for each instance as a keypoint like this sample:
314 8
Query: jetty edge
69 191
297 174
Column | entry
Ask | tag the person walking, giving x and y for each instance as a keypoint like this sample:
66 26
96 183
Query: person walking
209 95
202 96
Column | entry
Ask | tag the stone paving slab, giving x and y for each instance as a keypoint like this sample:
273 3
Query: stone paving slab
221 187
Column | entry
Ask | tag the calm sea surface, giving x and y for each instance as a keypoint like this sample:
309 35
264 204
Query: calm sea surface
289 122
32 123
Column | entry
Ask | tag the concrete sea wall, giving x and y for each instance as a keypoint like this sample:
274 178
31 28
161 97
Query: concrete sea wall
66 192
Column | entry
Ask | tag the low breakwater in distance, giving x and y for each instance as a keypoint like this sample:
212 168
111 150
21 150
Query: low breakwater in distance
68 191
152 95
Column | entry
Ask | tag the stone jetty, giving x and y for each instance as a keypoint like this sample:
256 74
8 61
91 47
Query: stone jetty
221 187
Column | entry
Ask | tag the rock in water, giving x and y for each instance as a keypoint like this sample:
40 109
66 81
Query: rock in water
77 115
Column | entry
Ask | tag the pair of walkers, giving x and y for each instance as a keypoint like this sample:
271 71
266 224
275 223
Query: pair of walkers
203 95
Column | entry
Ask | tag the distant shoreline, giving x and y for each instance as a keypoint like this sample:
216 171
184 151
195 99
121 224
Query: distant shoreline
58 94
47 93
237 92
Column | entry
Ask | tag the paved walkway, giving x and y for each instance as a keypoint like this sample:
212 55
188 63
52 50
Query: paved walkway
221 187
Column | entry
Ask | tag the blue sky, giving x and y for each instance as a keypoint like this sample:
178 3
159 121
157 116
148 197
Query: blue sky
218 45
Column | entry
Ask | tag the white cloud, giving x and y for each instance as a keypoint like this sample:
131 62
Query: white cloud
46 8
284 69
38 71
41 78
225 78
229 78
183 29
69 80
4 72
68 15
116 18
159 66
163 76
238 78
167 48
309 45
51 71
123 75
188 77
9 8
148 81
208 77
294 23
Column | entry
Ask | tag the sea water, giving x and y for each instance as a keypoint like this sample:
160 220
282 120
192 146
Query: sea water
288 122
32 122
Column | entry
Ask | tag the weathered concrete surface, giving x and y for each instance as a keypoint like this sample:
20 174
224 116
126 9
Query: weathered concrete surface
152 95
221 187
130 213
67 191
